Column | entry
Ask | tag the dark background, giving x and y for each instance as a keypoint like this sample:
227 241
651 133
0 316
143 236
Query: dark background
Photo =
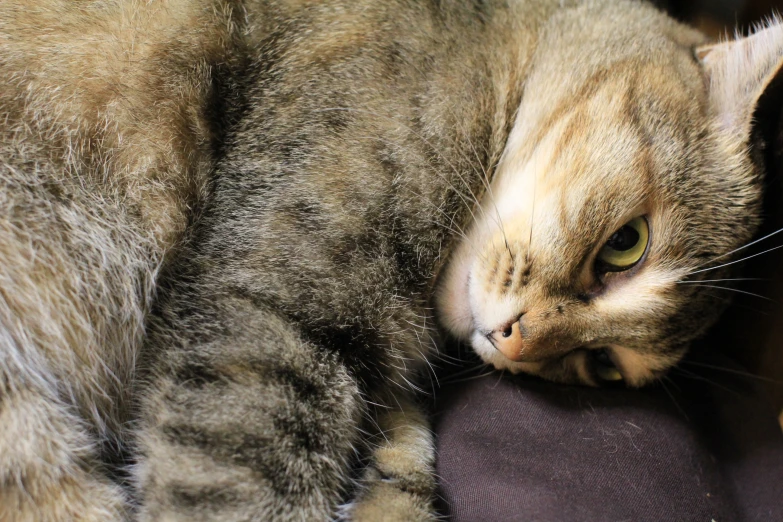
715 17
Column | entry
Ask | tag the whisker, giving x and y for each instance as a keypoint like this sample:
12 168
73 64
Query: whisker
671 396
487 185
735 372
484 179
413 386
533 208
734 262
697 377
451 378
442 354
719 280
743 247
673 383
447 181
462 196
464 156
418 135
738 305
737 291
446 358
472 378
459 231
426 359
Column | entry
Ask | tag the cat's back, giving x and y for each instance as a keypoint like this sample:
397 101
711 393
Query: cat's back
113 95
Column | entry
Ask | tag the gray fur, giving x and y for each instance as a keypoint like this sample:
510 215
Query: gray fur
302 309
352 149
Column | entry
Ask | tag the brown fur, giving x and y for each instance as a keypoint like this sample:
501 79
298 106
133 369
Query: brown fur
352 142
291 340
104 147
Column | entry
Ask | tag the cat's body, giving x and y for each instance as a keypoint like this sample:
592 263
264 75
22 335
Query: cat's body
306 294
105 147
361 139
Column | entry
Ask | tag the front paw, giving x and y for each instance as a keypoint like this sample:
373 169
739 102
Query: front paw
400 483
388 498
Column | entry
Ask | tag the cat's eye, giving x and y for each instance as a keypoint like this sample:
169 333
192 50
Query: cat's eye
625 248
604 368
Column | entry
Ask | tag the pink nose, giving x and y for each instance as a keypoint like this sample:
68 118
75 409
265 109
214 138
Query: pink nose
509 341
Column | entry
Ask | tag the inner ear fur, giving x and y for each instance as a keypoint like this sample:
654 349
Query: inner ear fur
743 78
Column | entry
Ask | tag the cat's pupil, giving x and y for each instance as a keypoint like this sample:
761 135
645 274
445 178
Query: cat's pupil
624 239
603 358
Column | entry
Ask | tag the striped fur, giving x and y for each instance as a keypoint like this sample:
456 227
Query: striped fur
302 301
315 178
105 139
284 355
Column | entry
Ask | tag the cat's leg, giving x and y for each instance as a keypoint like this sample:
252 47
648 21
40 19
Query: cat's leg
48 460
245 420
399 483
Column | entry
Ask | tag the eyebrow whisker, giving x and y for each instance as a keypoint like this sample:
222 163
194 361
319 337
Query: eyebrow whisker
719 280
742 247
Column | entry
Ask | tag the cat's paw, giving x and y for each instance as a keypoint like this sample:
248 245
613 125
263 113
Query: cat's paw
400 484
390 499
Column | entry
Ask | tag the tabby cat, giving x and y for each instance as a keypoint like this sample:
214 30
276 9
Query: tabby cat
323 183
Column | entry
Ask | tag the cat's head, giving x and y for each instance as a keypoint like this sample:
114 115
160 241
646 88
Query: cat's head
625 181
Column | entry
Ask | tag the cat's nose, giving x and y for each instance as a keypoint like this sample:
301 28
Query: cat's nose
508 340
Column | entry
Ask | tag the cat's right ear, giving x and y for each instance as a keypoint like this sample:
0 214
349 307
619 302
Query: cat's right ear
745 82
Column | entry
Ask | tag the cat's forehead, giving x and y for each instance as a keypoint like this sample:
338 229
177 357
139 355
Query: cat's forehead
612 154
618 140
630 122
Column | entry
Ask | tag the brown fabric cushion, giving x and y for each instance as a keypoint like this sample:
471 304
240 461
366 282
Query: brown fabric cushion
522 449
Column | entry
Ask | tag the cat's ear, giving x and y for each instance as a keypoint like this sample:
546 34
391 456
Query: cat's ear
745 80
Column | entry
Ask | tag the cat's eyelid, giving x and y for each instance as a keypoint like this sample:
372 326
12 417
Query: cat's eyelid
588 276
612 374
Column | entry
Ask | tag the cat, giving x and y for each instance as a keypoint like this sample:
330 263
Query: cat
331 190
549 178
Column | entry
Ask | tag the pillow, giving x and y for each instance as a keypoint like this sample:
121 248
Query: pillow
517 448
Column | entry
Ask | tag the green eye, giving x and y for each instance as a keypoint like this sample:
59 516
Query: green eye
604 368
626 246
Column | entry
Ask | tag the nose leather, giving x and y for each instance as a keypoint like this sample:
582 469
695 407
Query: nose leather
510 346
